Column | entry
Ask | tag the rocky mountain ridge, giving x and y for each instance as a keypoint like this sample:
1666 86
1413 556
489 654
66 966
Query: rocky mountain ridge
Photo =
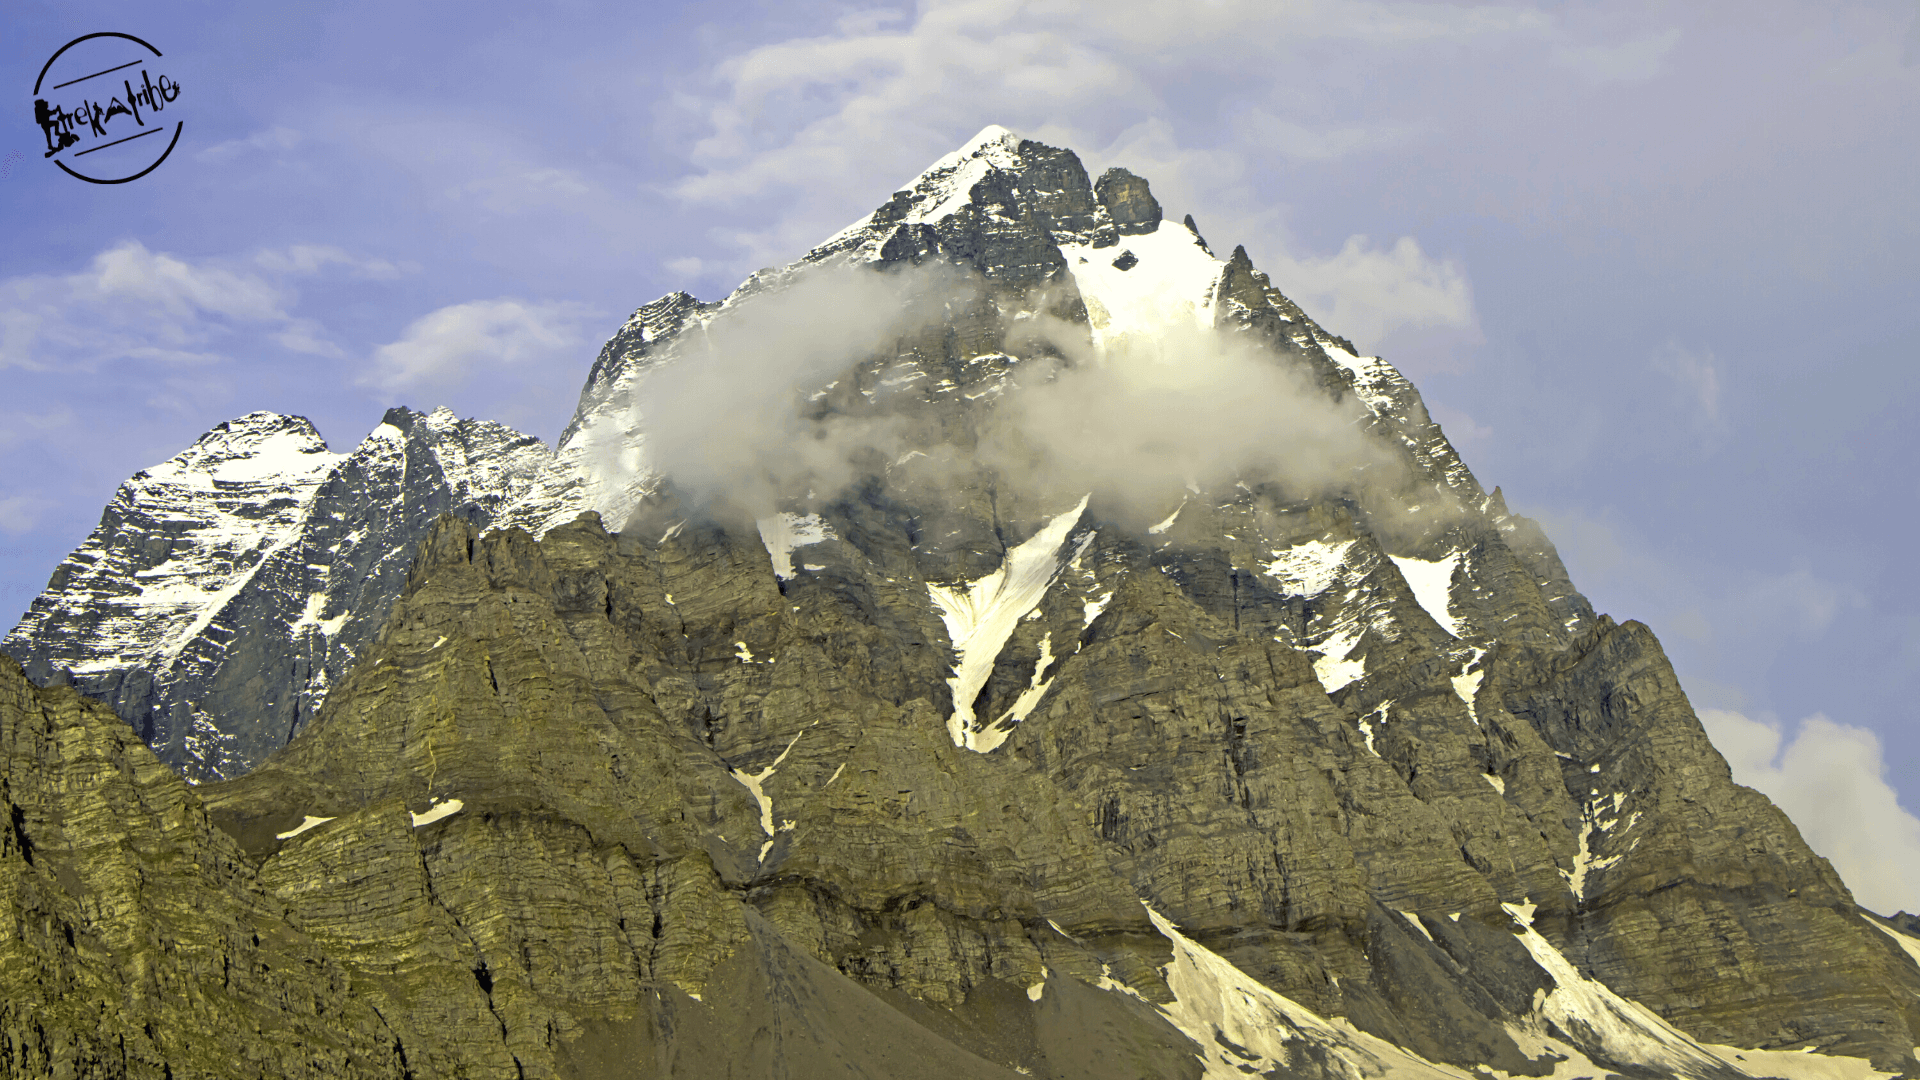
226 589
975 761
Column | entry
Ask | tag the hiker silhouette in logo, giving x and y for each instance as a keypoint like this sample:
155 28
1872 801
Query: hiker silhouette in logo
51 122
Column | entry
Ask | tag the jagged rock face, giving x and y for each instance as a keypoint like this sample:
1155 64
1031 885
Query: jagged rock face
133 940
226 590
956 769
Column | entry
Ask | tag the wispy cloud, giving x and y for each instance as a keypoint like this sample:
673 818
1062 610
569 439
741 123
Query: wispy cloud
1368 292
131 303
18 427
1636 60
457 342
518 187
272 141
313 258
20 513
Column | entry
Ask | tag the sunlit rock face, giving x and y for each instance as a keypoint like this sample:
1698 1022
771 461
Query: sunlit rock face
1012 639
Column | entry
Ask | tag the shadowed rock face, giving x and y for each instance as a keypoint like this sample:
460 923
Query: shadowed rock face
945 772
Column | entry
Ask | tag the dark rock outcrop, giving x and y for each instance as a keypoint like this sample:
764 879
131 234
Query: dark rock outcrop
134 941
1128 201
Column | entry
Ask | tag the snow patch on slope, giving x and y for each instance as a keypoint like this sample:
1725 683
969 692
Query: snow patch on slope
755 783
1466 685
1310 568
1907 944
1432 585
1335 671
308 822
981 615
781 533
436 812
1601 1021
1243 1028
991 738
1167 522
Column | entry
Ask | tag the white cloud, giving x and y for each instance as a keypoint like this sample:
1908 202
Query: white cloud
276 138
1697 374
1305 142
686 268
131 275
312 258
519 187
456 342
134 304
1461 428
1831 780
130 303
21 427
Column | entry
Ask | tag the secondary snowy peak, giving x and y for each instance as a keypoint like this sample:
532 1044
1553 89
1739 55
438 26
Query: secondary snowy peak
260 446
229 587
178 540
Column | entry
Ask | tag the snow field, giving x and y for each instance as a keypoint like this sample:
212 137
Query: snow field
1171 285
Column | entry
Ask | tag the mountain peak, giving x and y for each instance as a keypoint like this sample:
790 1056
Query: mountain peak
989 137
250 448
876 575
995 182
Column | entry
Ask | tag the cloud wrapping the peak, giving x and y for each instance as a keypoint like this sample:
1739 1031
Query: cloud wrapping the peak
727 415
809 386
1147 417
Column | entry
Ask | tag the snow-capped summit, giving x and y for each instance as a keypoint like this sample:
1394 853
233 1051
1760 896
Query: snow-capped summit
177 541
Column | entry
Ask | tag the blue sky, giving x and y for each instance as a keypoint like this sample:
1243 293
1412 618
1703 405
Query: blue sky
1653 265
